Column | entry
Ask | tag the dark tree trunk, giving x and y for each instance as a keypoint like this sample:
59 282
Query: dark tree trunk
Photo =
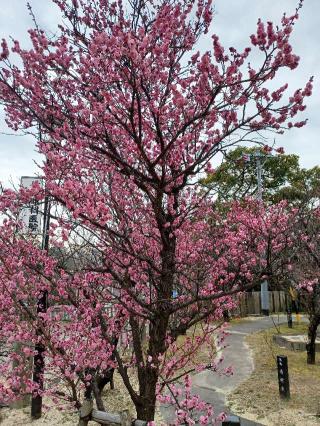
104 379
226 315
146 410
86 409
98 385
311 345
148 375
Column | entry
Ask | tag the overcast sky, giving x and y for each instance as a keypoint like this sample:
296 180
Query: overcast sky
234 21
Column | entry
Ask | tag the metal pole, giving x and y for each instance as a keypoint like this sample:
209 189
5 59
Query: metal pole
259 176
264 292
42 305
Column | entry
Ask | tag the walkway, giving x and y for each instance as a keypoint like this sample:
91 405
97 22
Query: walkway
212 387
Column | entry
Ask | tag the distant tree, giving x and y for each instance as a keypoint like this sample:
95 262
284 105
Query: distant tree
282 178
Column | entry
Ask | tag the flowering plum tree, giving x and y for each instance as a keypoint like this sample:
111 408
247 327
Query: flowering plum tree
127 113
305 269
213 265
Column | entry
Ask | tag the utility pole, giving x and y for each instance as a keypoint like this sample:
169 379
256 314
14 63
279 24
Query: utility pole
42 306
257 157
259 174
264 291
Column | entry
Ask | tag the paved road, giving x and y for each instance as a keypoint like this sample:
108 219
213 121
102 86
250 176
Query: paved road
213 387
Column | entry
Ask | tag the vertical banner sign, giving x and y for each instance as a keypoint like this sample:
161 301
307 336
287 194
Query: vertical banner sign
31 214
283 376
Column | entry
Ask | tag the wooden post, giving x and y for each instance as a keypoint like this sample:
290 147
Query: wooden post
289 317
273 304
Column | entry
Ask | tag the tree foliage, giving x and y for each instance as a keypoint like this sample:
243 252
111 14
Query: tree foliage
127 113
282 177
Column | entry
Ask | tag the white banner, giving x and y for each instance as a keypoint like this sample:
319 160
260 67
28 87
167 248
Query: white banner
31 213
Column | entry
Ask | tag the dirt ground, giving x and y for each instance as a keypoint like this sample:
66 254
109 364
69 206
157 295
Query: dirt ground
258 397
115 400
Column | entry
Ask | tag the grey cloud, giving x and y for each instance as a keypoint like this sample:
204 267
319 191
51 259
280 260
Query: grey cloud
234 21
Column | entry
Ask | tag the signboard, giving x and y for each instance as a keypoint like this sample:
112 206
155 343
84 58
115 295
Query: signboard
283 376
30 214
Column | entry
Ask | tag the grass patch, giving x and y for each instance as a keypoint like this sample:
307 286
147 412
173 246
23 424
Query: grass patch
297 328
259 395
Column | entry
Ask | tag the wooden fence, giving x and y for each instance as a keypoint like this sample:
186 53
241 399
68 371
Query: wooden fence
250 303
